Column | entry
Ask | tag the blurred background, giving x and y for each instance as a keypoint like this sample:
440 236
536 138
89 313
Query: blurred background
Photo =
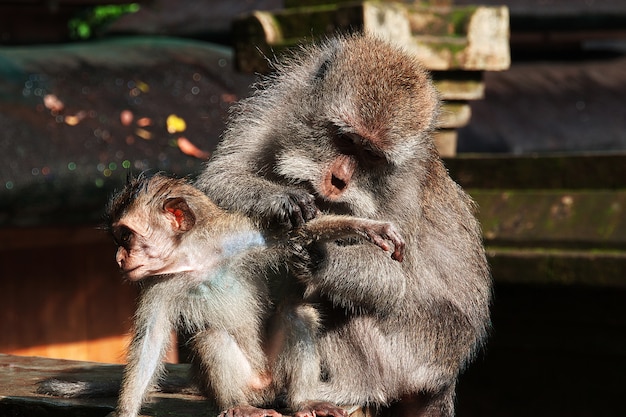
533 126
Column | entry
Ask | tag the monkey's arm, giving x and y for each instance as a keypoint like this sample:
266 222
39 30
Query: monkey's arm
235 180
358 275
334 227
146 351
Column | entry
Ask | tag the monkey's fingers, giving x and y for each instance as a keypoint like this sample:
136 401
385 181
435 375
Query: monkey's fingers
388 233
292 209
379 241
249 411
391 233
398 251
398 255
303 208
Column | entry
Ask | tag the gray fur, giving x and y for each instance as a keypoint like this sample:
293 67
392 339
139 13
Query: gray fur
392 333
205 272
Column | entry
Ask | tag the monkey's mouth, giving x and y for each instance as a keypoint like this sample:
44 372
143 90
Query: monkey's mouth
127 272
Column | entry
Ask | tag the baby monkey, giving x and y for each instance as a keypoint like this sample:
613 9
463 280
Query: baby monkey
207 272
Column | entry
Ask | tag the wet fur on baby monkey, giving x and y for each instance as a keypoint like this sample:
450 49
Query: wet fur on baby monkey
209 273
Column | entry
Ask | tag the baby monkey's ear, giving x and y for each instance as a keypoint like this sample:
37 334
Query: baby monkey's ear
180 214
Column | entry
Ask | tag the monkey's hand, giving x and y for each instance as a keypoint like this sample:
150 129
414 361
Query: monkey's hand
249 411
299 249
380 234
289 210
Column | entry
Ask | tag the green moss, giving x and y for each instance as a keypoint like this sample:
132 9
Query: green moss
90 22
460 18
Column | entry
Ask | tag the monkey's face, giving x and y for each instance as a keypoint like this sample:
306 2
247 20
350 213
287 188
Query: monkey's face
342 171
145 246
127 252
362 116
149 220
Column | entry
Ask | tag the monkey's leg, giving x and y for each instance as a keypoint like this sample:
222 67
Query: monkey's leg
147 349
297 366
227 374
422 405
299 361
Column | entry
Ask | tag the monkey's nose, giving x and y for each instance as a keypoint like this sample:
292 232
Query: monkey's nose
338 183
338 176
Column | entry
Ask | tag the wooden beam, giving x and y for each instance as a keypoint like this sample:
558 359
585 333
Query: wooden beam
19 397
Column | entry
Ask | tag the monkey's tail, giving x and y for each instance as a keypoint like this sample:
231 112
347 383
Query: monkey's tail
67 388
78 389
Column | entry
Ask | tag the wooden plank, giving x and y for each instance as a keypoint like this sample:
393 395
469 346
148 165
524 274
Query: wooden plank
307 3
555 237
20 375
445 141
459 85
550 220
19 397
454 114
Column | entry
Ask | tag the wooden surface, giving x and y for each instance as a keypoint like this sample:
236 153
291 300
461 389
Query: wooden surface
19 377
18 386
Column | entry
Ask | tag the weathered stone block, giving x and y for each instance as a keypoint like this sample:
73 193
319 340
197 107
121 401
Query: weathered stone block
444 38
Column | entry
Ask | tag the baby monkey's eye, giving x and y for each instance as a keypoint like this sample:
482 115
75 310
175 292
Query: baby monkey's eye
122 236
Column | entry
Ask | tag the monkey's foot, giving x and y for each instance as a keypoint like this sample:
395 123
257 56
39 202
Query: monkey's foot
320 408
249 411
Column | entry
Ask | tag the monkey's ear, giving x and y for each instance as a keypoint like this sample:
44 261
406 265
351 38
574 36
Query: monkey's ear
181 215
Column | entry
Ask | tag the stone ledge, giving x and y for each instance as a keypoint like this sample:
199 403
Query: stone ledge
444 38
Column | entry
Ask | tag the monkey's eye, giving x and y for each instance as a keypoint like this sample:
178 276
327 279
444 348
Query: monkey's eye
345 143
374 157
122 236
353 144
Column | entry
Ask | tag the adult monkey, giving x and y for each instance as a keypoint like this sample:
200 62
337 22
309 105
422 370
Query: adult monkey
345 127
